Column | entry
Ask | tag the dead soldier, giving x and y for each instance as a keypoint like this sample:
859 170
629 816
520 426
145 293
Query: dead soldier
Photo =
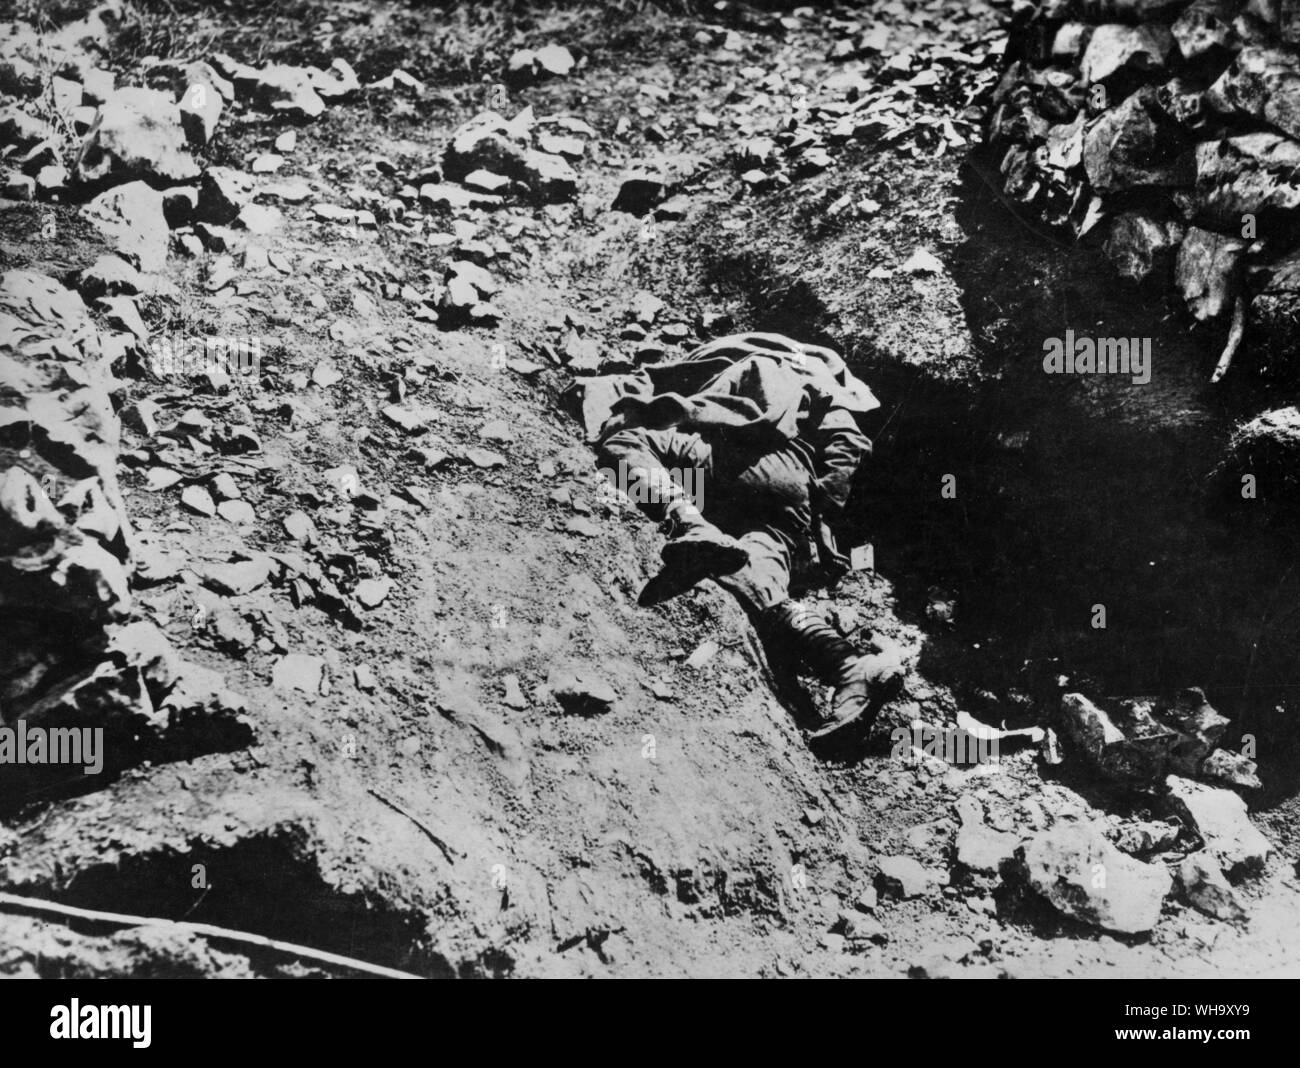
768 431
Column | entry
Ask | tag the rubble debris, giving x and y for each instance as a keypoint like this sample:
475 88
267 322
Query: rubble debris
1141 740
1190 145
514 694
980 848
299 671
60 435
527 65
1201 884
904 877
198 500
371 593
132 220
922 261
411 420
1088 725
1264 83
287 90
1219 817
137 135
581 692
338 82
1128 149
1114 48
109 276
1084 877
487 142
239 577
1140 245
859 927
639 194
1200 727
1204 26
1233 769
1141 838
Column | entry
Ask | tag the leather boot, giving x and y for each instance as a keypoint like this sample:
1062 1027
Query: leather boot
862 683
695 550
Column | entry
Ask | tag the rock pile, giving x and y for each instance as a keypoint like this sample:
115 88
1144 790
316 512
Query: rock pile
489 149
1016 846
67 552
1141 741
912 103
66 546
1207 836
137 165
1111 872
1170 128
65 539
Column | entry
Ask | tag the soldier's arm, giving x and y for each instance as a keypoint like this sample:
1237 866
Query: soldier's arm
841 447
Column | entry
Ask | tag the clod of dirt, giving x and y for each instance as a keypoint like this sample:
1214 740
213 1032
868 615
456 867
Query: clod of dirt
581 692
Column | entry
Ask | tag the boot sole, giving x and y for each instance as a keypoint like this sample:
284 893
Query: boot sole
685 564
703 559
837 729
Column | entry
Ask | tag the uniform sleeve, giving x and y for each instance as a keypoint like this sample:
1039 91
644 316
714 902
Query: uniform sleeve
841 447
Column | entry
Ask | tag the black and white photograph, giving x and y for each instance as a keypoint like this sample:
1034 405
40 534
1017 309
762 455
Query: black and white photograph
650 489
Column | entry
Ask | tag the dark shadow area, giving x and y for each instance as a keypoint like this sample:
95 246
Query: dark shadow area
121 746
1078 491
268 885
1072 491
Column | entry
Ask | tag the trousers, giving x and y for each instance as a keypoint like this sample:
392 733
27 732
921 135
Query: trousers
759 494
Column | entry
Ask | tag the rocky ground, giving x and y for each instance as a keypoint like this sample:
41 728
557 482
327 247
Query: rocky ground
357 614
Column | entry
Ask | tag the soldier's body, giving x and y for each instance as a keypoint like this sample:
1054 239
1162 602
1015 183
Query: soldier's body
769 431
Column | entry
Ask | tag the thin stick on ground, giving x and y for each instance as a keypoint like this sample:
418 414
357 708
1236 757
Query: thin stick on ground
69 914
447 851
1235 333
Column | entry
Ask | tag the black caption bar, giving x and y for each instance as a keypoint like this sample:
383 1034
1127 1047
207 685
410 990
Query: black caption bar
143 1017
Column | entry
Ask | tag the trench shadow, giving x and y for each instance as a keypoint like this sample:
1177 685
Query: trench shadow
1073 492
28 788
271 884
1079 491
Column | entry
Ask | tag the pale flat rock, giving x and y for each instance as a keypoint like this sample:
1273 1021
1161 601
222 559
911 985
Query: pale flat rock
131 219
1220 818
1084 877
298 671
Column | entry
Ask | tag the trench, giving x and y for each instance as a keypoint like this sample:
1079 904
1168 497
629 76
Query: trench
268 884
1072 491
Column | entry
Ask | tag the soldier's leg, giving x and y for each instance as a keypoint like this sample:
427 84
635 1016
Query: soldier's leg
642 463
861 683
765 580
792 632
